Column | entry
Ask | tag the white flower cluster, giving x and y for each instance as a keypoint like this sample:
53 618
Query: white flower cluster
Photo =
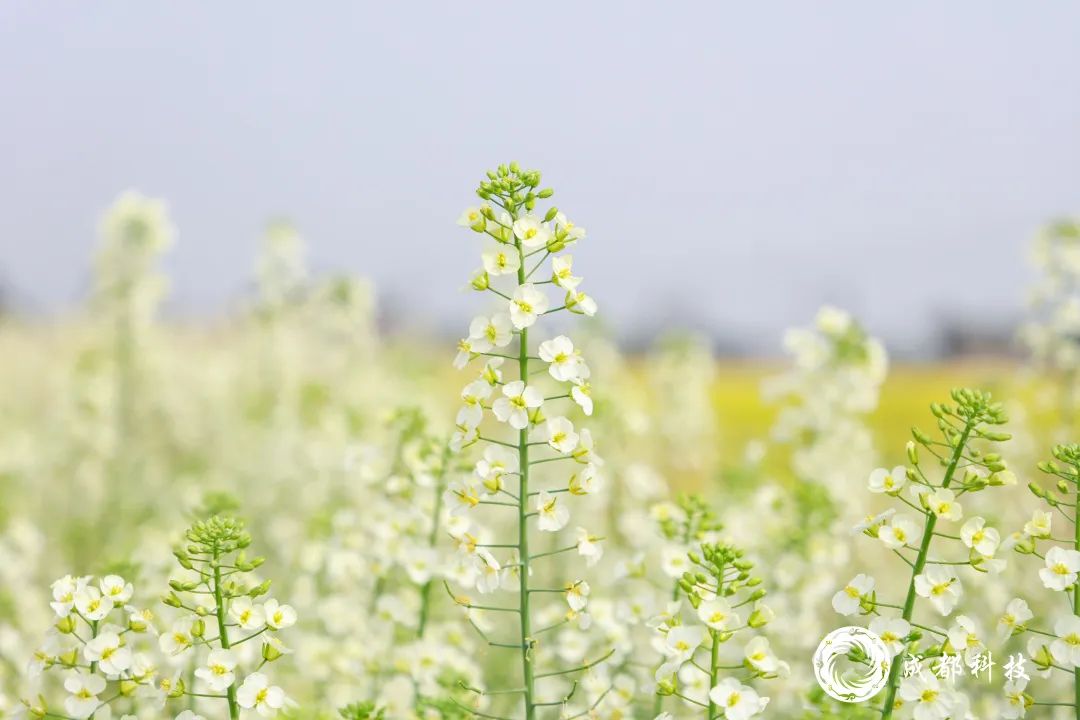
92 643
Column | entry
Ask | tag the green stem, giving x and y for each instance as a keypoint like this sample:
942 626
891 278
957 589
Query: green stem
917 568
1076 593
93 665
433 537
523 527
714 671
223 633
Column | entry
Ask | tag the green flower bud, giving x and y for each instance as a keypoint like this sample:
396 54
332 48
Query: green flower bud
759 619
270 653
481 281
260 589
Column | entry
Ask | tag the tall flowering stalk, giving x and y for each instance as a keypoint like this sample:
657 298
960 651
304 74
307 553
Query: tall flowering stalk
972 417
1053 648
714 576
507 478
135 232
224 618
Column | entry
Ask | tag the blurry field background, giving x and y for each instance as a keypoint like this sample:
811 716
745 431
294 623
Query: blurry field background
230 280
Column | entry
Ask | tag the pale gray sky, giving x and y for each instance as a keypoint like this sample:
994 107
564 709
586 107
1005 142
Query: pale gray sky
736 164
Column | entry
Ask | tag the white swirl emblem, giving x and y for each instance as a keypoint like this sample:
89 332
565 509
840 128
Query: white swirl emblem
863 680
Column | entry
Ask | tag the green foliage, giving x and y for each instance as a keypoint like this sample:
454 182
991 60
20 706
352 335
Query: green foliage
361 711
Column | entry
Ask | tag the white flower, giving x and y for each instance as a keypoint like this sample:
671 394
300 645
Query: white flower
513 408
846 602
497 462
565 363
189 715
941 586
257 693
472 412
561 272
580 303
552 516
63 592
1061 568
760 655
531 232
218 671
178 639
91 604
737 701
588 547
942 502
573 232
471 217
717 614
581 393
501 260
903 530
680 642
278 616
673 560
1016 704
964 636
1039 525
1066 648
464 354
892 632
461 496
584 453
84 689
924 692
247 614
114 587
1016 614
487 333
980 538
106 650
462 437
872 521
560 434
527 304
577 595
487 579
886 481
